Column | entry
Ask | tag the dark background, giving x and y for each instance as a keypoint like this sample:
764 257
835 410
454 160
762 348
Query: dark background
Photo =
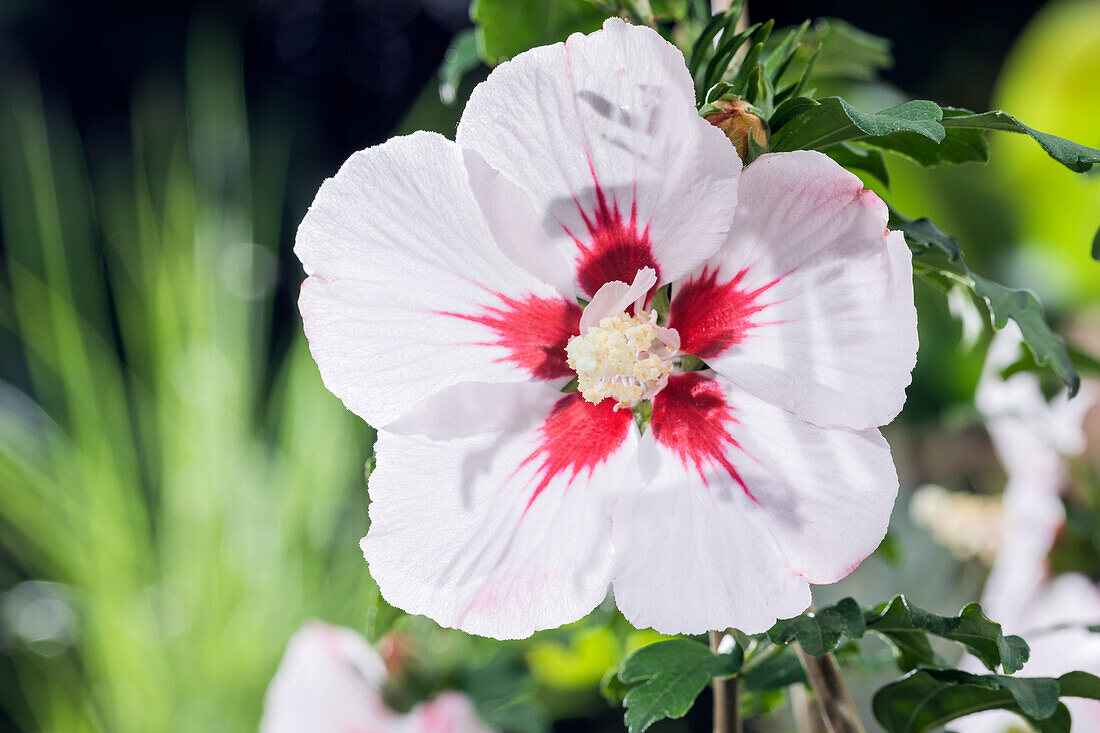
344 73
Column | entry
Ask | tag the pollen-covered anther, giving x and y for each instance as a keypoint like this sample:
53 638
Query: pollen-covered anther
626 358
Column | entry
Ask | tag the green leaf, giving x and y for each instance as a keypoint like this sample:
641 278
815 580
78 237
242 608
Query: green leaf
672 674
1023 306
927 698
721 22
780 58
936 254
833 121
820 632
461 57
906 627
1096 245
1080 684
724 53
959 145
1074 156
505 28
853 157
788 110
740 81
846 52
776 669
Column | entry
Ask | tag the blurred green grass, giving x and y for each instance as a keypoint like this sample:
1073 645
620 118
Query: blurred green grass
196 493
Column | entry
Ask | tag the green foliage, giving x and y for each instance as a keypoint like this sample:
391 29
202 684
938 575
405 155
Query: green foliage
195 489
1050 77
919 130
671 675
842 51
906 627
820 632
938 257
461 58
773 669
927 698
1078 158
857 158
505 28
833 120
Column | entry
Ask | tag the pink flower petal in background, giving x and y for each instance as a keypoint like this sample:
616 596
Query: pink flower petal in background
330 681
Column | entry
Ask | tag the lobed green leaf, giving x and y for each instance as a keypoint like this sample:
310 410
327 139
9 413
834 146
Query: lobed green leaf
671 674
906 628
820 632
927 698
1074 156
833 120
937 256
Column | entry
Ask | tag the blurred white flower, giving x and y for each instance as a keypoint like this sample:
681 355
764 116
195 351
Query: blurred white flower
969 525
330 681
1033 436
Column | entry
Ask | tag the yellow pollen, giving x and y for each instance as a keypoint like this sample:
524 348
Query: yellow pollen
622 358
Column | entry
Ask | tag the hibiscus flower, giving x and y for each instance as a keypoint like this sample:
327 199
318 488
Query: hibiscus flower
456 290
330 681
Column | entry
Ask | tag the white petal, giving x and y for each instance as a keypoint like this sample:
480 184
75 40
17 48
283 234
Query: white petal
476 407
500 533
408 292
330 679
809 304
517 227
614 297
602 132
750 504
687 561
1021 419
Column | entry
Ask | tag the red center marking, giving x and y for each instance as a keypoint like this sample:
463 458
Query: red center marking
615 250
712 317
692 419
535 331
577 436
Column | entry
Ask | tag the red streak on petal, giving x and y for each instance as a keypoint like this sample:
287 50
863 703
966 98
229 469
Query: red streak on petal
616 249
577 436
535 330
712 317
692 419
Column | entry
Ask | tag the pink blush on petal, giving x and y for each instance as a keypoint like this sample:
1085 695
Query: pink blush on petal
692 419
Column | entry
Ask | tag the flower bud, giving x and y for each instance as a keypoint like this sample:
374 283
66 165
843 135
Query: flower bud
737 118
